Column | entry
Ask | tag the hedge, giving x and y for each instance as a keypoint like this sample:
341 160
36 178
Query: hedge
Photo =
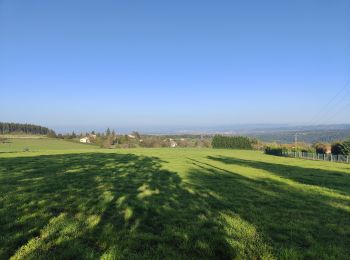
232 142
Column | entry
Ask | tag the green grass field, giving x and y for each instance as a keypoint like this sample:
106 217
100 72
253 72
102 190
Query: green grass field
40 144
65 201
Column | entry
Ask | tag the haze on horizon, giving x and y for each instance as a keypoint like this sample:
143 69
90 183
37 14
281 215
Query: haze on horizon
84 64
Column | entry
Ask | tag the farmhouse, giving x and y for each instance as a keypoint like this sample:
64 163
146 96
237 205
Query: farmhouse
85 140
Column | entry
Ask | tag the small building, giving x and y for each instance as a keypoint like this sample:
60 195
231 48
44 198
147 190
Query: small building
173 144
85 140
132 136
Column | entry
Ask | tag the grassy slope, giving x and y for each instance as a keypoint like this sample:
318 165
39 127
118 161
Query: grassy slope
42 144
172 203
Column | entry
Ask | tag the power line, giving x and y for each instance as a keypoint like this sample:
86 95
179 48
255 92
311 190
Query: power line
316 118
336 112
335 109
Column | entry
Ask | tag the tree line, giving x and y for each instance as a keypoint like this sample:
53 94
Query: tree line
336 148
342 148
11 128
233 142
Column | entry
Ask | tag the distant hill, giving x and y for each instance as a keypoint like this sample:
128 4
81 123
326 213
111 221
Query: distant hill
307 135
281 133
17 128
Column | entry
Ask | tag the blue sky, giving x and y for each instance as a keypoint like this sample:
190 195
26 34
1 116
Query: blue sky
174 63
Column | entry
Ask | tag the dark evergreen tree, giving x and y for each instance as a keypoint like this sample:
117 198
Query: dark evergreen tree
9 128
337 148
232 142
346 147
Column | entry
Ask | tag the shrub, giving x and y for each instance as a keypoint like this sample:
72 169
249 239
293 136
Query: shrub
202 143
151 142
346 147
320 148
308 150
337 148
278 151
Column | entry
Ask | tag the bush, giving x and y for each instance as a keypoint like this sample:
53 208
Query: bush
337 148
231 142
308 150
202 143
346 147
320 148
342 148
151 142
278 151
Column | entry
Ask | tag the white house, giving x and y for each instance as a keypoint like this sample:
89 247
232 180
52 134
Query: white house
173 144
132 136
85 140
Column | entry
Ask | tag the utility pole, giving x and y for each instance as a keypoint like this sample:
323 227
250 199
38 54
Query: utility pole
295 143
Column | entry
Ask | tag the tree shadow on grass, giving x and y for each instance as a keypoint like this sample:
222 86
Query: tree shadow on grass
334 180
296 222
95 205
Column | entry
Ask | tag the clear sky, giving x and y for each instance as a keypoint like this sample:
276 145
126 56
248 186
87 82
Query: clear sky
174 63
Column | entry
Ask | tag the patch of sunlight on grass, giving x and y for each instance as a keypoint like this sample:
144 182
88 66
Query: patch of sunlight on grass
128 213
112 254
35 243
74 170
93 220
340 206
42 202
267 176
190 190
145 191
59 230
26 250
215 195
32 179
135 226
121 200
107 196
244 236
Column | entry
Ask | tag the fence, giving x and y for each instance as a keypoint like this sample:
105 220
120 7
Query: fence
317 156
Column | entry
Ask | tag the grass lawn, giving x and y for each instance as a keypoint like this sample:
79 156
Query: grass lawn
18 144
171 203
